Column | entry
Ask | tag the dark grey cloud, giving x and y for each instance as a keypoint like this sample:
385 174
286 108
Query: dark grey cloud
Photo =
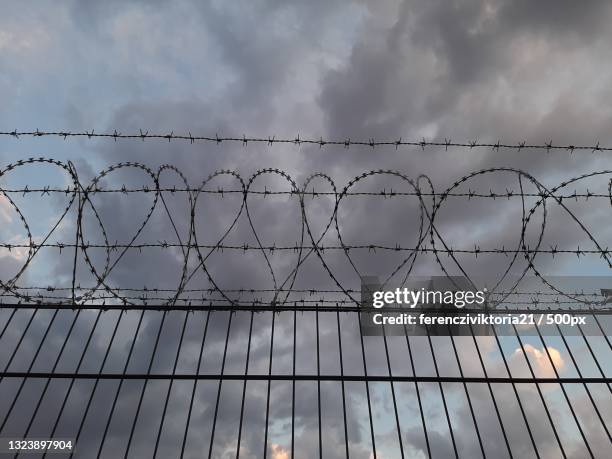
467 70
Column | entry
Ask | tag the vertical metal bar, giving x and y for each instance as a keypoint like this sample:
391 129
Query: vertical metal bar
518 399
293 387
8 322
346 444
585 385
18 345
484 370
76 371
397 422
30 366
97 381
48 381
569 404
365 372
418 394
588 345
539 392
244 385
467 394
176 359
269 382
144 386
319 387
195 383
435 362
212 434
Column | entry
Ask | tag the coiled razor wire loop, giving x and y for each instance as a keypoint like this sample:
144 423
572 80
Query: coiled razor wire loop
311 243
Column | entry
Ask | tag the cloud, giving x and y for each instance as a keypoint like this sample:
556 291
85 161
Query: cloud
278 452
7 231
21 41
541 359
487 70
5 210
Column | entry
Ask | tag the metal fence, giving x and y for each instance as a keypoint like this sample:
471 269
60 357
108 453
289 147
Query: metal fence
201 369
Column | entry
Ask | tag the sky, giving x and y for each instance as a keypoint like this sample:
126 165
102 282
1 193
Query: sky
464 70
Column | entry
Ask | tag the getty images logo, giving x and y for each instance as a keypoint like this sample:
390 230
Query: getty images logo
437 292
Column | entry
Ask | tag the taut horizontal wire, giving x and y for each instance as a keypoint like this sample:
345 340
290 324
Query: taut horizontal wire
297 140
313 377
310 291
313 193
295 248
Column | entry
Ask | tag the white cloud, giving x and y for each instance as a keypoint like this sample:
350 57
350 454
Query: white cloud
23 39
278 452
540 359
5 210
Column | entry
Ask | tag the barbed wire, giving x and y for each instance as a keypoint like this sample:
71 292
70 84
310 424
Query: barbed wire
39 298
297 140
102 294
298 296
477 250
311 291
507 194
80 213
